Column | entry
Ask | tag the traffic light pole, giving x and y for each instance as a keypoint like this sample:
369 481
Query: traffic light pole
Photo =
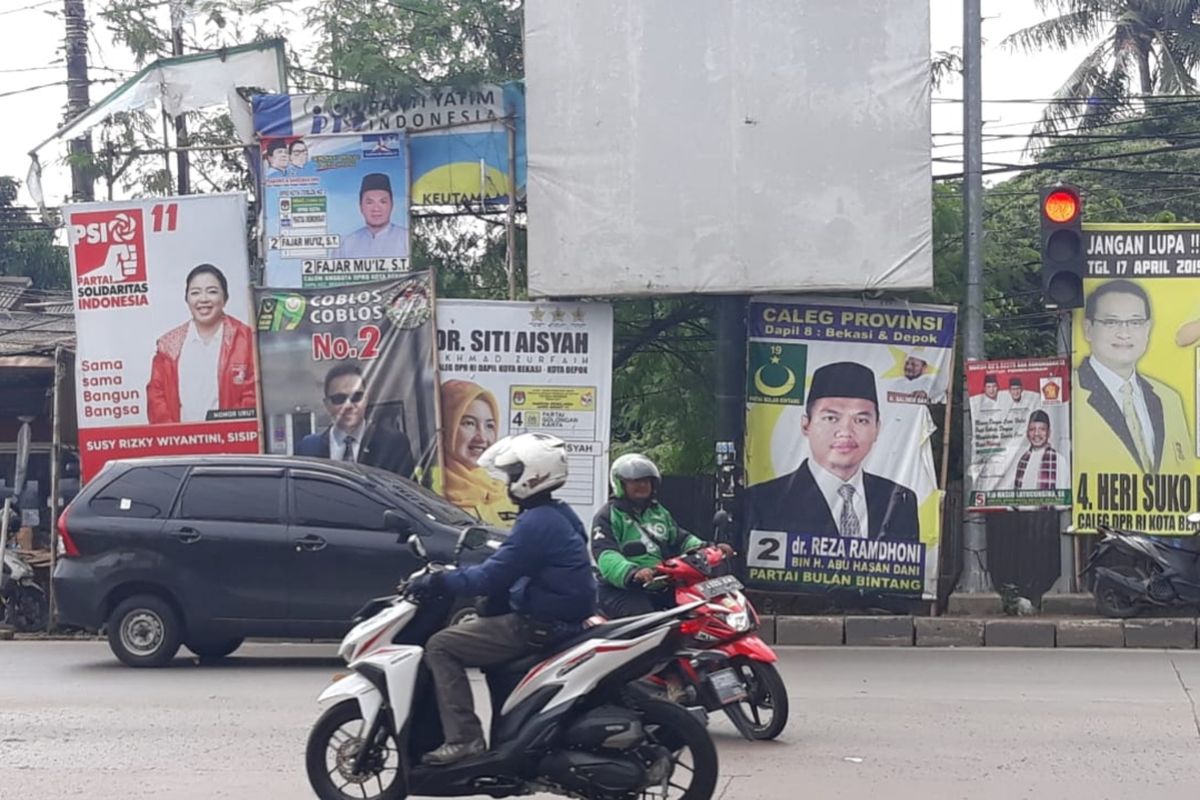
974 577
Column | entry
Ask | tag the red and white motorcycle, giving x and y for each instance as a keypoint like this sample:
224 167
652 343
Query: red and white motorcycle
726 666
572 722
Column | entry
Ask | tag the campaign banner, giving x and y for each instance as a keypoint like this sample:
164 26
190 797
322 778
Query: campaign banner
165 358
458 138
513 367
349 374
1020 434
843 496
1136 367
335 209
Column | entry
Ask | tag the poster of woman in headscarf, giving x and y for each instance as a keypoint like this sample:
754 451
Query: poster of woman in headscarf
508 368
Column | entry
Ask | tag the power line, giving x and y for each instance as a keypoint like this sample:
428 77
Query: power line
30 7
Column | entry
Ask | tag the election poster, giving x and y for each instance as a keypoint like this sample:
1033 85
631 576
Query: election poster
1020 434
1135 379
335 209
843 496
457 138
349 373
513 367
165 363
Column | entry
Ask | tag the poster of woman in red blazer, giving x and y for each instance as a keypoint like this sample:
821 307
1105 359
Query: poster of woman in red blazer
205 365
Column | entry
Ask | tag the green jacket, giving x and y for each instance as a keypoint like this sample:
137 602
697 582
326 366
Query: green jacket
618 523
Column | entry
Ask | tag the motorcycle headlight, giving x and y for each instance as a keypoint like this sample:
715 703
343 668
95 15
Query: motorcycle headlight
739 621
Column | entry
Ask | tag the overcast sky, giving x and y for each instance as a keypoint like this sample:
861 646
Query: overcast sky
31 55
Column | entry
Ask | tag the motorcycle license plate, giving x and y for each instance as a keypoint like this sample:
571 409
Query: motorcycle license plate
728 686
718 586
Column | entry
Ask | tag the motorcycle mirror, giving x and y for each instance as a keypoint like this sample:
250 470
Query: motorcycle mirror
472 538
720 520
633 549
417 546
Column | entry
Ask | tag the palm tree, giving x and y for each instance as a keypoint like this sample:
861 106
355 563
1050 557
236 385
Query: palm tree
1156 42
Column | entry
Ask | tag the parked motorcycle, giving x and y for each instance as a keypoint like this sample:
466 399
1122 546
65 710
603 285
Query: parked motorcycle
23 603
727 667
571 722
1135 572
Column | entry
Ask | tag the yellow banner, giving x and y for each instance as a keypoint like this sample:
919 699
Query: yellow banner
1134 379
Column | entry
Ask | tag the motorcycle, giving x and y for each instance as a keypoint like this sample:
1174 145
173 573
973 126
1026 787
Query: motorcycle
23 603
1134 571
573 721
726 667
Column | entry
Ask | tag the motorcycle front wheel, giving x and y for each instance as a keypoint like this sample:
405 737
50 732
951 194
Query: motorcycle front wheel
329 758
693 769
764 713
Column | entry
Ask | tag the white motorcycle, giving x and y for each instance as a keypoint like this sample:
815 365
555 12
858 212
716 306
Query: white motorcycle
571 722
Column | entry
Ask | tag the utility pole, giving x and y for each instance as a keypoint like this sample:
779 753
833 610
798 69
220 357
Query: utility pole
975 570
731 412
77 97
181 134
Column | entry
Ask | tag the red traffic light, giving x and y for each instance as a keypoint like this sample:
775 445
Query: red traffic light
1061 206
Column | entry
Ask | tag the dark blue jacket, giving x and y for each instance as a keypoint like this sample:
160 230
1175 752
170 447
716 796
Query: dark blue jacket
543 564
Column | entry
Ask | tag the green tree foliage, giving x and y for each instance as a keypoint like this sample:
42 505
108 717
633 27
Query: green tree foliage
1151 44
27 246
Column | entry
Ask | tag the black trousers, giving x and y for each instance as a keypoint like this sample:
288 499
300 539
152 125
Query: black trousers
632 602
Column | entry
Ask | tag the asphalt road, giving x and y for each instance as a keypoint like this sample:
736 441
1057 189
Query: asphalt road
867 723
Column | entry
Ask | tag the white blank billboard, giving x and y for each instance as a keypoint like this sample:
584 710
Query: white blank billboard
727 146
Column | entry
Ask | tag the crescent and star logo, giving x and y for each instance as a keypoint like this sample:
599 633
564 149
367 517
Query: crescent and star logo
780 390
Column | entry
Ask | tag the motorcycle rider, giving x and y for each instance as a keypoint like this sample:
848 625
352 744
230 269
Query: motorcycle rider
544 569
634 514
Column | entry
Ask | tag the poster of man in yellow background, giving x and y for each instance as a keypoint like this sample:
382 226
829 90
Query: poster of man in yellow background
1135 370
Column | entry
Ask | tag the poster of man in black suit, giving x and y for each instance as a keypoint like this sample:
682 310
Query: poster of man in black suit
830 493
350 435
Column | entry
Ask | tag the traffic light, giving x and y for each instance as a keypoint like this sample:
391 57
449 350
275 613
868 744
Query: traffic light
1064 262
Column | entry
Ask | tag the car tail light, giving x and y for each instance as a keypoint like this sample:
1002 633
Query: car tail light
67 548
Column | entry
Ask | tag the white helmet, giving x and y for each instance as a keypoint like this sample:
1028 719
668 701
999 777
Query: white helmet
529 463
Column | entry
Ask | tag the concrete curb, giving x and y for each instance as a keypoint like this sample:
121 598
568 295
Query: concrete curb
1019 633
1091 633
980 631
948 632
1172 633
879 631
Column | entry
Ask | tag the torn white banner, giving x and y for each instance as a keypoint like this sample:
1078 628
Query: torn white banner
181 84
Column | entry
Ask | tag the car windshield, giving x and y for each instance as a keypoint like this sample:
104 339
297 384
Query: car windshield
438 508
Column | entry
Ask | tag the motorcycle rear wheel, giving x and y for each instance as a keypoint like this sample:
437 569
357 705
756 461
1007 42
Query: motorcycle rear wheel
26 609
332 745
765 690
1113 601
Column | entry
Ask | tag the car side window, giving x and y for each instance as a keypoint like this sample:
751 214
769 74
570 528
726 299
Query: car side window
232 497
142 493
329 504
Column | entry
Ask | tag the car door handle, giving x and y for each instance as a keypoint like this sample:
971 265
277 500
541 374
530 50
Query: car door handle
188 535
310 543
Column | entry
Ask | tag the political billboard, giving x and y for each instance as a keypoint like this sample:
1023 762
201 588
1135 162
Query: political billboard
349 374
843 496
335 209
513 367
1136 366
457 138
1020 433
165 361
